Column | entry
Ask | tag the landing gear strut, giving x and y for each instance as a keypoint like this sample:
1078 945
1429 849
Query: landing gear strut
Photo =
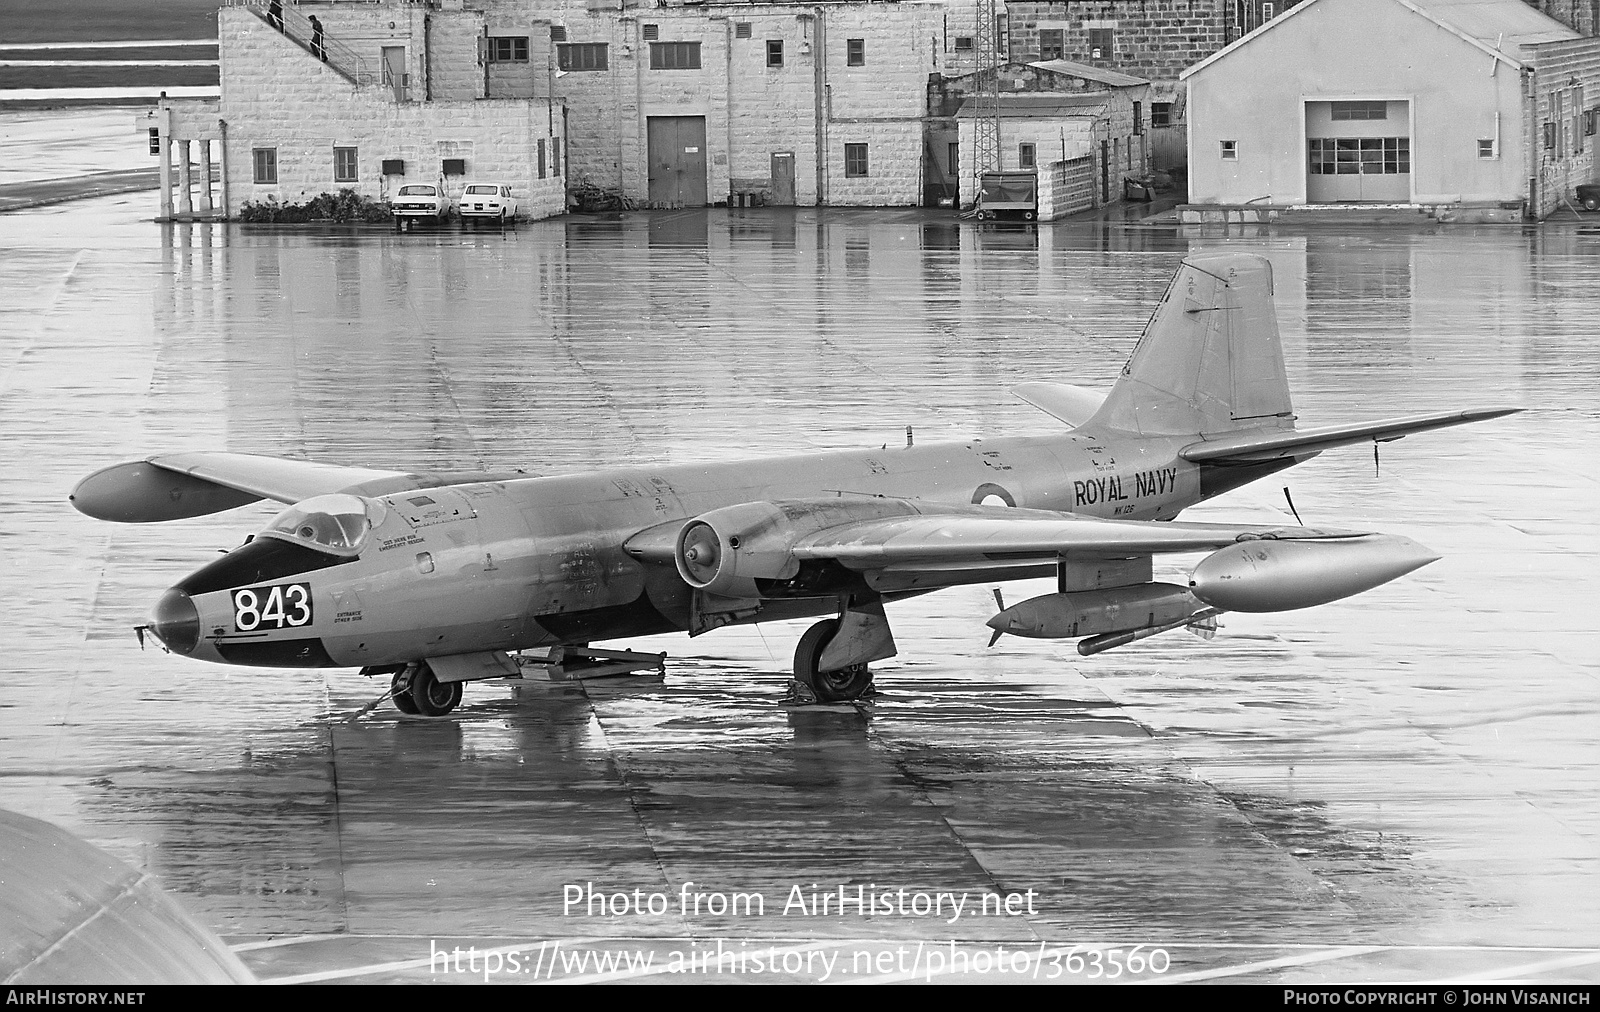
416 690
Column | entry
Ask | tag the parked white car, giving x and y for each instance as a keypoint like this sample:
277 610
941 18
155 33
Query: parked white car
487 200
419 201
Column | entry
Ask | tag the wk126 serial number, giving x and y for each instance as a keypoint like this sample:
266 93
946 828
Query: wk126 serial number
286 606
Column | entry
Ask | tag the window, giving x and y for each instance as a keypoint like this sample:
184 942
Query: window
581 56
1267 12
1138 117
855 54
558 33
741 30
855 159
508 49
774 52
1025 156
1589 119
541 158
555 156
1486 147
1101 42
344 165
1052 44
964 44
674 56
266 160
652 32
1360 110
1367 156
1160 114
1230 150
955 159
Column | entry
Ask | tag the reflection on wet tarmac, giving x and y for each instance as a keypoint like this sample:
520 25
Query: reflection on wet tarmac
1412 766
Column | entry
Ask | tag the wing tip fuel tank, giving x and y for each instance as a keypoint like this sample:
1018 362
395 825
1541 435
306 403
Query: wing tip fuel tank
1282 575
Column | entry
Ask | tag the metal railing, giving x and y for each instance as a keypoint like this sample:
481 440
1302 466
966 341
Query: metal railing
297 26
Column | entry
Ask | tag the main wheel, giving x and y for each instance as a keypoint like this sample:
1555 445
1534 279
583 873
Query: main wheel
828 686
400 691
432 697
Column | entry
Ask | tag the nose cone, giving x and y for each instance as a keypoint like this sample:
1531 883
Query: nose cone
176 622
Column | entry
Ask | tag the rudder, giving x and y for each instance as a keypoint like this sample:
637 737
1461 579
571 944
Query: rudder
1209 360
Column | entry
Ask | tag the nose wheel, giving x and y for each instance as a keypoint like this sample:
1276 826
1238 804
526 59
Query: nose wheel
828 686
415 690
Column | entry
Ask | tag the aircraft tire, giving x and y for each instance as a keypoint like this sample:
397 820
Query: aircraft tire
431 697
828 686
400 692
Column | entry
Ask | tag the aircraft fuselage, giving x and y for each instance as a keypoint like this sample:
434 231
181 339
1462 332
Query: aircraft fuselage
510 565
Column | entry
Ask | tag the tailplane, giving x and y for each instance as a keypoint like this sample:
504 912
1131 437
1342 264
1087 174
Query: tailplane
1209 360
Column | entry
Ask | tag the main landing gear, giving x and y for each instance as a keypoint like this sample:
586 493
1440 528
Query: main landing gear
830 661
415 690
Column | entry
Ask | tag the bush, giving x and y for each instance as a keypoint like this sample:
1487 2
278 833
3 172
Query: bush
345 206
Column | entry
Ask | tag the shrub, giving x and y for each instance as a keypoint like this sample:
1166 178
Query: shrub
345 206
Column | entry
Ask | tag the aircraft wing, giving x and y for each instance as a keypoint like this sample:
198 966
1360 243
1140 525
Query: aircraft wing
1004 536
173 486
1256 446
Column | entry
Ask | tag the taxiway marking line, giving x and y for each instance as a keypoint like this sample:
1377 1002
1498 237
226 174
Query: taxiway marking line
273 943
412 964
1500 976
1266 964
597 978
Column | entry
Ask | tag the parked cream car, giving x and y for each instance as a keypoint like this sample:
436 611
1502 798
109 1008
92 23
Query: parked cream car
420 201
491 201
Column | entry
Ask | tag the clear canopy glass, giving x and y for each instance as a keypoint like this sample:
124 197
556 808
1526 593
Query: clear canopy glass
338 524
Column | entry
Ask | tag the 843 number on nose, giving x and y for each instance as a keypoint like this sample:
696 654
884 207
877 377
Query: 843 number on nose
286 606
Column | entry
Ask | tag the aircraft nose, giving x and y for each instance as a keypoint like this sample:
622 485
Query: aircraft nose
176 622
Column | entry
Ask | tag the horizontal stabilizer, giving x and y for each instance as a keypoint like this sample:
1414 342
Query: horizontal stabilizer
174 486
1073 405
1272 444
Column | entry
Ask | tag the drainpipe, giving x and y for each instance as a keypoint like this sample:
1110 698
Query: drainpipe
819 66
222 157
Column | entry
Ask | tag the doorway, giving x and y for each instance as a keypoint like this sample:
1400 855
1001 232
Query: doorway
677 152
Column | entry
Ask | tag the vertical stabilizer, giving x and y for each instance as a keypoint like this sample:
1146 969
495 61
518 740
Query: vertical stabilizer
1209 360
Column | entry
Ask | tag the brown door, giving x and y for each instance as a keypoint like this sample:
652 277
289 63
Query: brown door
783 178
677 161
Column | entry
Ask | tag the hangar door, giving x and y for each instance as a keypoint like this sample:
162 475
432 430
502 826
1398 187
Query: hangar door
1358 151
677 161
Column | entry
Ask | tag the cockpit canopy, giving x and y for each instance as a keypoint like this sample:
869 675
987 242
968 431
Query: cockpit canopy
339 524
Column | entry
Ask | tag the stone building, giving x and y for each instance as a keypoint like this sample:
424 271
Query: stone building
778 103
1468 109
382 95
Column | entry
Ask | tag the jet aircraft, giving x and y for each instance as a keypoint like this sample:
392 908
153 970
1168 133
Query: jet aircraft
435 579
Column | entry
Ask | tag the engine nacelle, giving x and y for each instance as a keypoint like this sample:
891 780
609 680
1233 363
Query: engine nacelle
725 551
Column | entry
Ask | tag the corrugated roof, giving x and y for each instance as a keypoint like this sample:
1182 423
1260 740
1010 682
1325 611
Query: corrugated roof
1500 24
1501 27
1090 73
1044 105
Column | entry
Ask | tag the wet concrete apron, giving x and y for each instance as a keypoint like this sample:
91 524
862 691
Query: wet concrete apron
1398 786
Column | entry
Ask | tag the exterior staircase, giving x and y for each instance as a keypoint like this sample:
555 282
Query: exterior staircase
296 27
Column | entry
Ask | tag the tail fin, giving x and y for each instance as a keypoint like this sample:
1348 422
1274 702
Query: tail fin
1209 360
